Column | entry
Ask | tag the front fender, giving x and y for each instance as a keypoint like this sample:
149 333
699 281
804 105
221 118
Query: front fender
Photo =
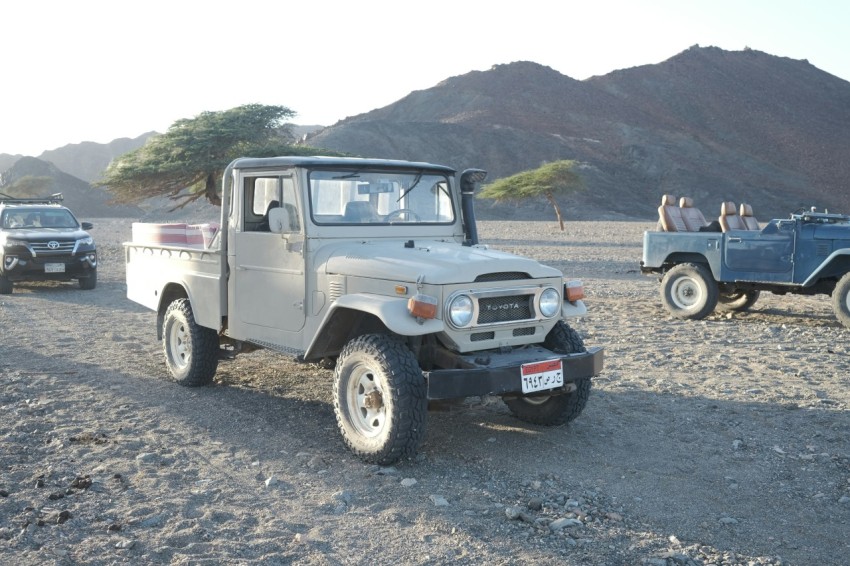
391 311
825 267
576 308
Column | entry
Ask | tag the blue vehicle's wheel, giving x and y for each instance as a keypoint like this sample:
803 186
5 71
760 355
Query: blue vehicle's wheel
689 291
841 300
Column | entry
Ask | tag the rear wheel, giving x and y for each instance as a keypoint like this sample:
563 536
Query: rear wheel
191 350
841 300
689 291
737 301
380 399
554 410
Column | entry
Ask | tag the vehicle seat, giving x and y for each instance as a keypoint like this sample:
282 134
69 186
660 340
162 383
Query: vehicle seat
264 226
670 215
360 211
692 217
747 217
729 219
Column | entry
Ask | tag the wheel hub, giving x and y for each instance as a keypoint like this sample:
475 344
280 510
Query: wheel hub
373 401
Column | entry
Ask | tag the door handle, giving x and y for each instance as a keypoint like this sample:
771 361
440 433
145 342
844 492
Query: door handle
734 240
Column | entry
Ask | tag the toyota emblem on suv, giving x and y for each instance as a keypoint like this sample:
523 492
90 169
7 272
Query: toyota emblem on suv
53 244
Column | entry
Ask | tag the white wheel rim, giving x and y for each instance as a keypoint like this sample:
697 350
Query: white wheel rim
365 399
178 340
685 292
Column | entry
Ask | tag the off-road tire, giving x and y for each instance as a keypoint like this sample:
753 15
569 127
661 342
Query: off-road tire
555 410
380 399
737 301
90 282
191 351
6 285
841 300
689 291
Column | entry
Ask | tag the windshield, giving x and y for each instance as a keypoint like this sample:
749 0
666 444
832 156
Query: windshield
38 218
380 197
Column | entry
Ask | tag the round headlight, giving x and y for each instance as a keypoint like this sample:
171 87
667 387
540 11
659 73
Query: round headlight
460 310
550 302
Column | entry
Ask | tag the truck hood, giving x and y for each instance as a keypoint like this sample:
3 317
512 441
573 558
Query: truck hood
441 263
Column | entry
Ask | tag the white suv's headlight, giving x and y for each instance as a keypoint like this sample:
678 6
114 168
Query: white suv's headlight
460 311
550 302
10 242
86 241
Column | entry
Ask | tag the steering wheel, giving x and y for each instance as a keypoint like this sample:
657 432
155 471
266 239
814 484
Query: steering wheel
411 215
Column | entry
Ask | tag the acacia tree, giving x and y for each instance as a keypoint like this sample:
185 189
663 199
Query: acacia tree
187 162
546 181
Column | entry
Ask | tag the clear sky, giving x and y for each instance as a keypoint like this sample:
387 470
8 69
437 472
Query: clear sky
96 70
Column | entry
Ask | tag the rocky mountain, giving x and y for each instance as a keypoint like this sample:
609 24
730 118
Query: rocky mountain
87 160
708 123
86 201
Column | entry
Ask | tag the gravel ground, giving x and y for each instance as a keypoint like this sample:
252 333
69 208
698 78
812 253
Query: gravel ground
724 441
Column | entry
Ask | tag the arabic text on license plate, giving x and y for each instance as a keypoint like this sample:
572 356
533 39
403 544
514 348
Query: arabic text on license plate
541 376
54 268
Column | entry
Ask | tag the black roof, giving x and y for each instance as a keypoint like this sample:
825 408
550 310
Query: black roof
325 161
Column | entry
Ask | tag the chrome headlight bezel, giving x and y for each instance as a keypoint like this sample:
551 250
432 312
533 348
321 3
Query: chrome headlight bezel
549 303
460 310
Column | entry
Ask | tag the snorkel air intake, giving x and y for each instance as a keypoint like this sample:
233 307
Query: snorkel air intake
469 181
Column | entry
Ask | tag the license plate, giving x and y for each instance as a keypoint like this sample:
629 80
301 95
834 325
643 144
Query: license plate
54 268
541 376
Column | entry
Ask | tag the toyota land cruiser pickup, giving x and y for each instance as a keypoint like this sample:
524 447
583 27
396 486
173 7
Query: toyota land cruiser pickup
373 266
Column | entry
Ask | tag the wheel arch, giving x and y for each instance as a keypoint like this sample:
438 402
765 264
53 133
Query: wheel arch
834 266
677 258
169 294
353 315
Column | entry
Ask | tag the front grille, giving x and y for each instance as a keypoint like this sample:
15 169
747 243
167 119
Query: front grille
61 247
504 309
502 276
525 331
480 336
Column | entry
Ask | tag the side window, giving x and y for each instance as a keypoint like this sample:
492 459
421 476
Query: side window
290 204
263 194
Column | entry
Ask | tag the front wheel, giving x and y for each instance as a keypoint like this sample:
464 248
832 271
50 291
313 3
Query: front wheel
380 399
555 410
737 301
841 300
689 291
89 282
6 285
191 350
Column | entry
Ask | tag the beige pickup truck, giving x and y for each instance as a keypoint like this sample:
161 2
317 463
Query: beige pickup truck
373 266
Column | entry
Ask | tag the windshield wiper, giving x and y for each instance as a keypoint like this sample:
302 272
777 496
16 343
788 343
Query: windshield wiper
412 186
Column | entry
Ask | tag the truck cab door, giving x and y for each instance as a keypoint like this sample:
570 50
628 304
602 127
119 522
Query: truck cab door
267 268
766 255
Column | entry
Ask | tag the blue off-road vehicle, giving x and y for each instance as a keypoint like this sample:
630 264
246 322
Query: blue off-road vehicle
700 271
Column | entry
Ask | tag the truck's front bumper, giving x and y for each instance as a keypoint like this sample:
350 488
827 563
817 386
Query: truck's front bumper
502 373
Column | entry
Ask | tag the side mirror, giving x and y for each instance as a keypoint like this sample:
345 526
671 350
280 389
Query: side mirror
86 225
279 221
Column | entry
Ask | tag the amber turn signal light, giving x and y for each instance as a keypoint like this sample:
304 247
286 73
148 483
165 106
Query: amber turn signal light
573 290
422 306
